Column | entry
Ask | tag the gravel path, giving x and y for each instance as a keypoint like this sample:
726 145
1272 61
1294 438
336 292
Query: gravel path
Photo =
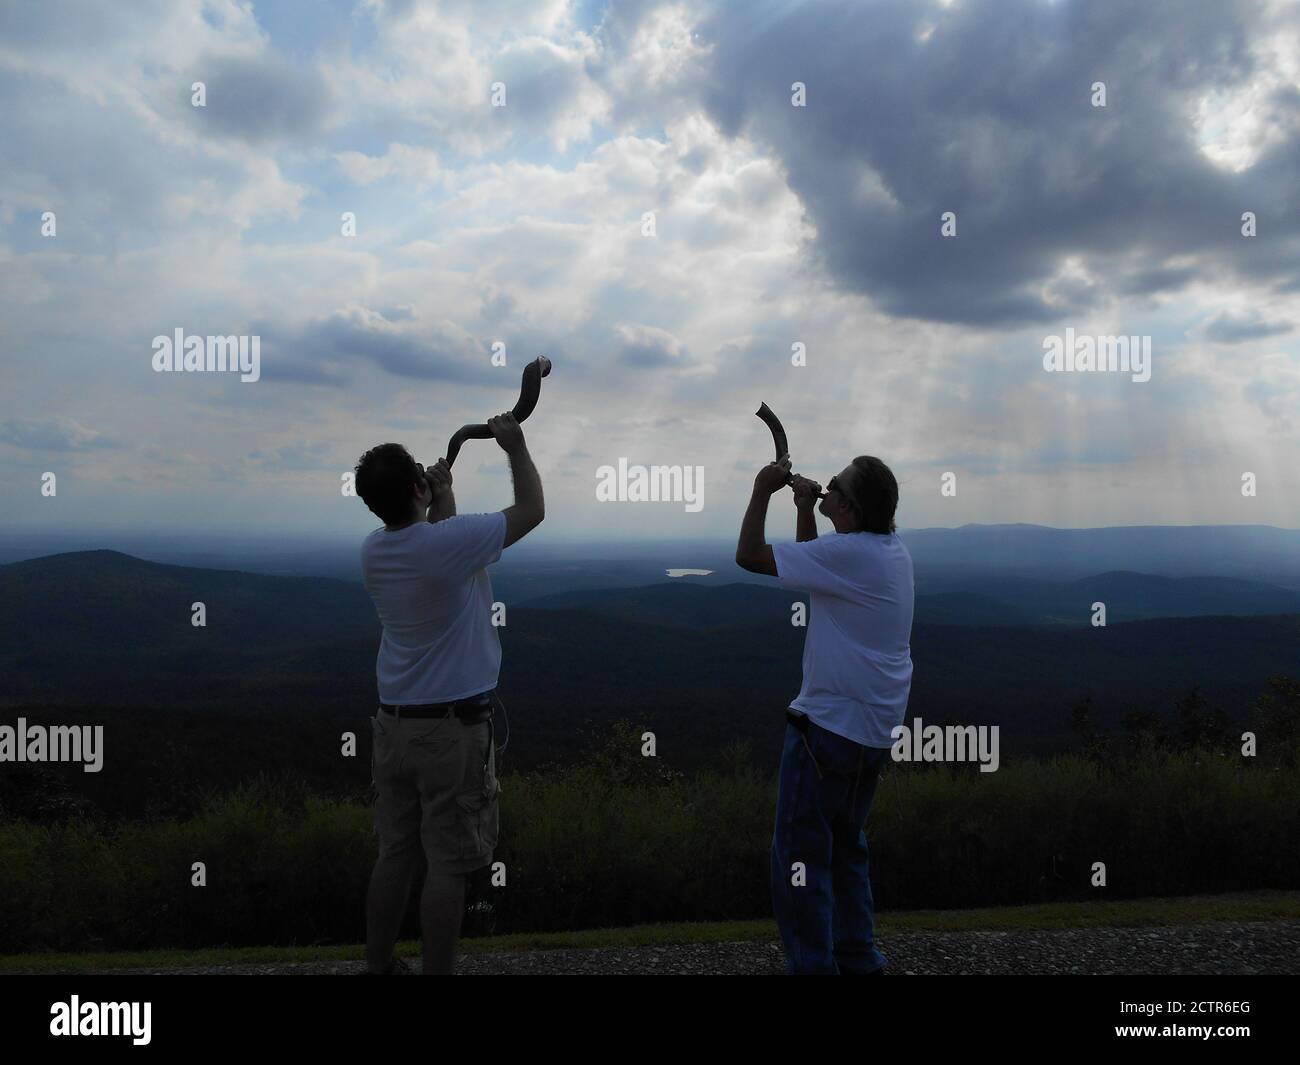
1232 947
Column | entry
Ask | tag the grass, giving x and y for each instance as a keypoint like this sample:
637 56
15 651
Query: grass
1192 909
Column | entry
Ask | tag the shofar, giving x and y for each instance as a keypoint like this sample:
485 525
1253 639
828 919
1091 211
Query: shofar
529 390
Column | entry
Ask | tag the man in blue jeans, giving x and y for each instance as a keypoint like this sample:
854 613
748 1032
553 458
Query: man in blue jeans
857 673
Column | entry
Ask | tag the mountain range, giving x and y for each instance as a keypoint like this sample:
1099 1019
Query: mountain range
703 664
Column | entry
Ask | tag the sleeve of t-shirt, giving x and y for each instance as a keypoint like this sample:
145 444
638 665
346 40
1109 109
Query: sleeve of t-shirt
462 545
811 566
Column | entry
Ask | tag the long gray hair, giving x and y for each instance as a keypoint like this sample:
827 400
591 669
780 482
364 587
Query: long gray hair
874 491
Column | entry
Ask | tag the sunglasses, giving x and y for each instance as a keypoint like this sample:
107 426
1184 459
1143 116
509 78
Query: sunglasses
833 486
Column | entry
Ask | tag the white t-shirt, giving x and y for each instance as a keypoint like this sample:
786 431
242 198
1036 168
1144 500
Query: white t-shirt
857 657
434 599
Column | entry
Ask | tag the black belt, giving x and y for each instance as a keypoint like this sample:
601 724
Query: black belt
462 708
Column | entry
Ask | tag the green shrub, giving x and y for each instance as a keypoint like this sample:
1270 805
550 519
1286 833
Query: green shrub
619 840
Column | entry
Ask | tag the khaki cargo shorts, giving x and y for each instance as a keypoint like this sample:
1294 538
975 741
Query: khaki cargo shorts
436 781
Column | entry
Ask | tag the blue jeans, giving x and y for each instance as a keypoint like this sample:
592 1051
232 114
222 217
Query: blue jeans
824 794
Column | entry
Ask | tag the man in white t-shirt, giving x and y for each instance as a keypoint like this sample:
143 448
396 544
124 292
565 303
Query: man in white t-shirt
434 760
857 674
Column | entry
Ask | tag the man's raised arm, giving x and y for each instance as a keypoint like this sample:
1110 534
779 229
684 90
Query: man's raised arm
753 552
529 508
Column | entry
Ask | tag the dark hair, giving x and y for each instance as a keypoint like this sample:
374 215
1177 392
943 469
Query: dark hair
386 479
875 492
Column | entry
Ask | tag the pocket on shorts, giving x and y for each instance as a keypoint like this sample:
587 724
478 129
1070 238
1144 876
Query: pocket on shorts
476 804
378 739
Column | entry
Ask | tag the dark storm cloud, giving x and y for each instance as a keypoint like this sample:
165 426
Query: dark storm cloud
1233 329
991 118
1160 279
258 99
327 350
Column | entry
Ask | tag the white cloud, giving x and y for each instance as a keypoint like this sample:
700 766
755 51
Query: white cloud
416 165
525 227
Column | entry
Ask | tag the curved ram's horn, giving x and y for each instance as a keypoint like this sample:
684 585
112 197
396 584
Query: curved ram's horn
778 438
778 430
529 390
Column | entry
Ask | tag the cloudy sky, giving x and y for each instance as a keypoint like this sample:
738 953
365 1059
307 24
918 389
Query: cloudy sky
774 225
